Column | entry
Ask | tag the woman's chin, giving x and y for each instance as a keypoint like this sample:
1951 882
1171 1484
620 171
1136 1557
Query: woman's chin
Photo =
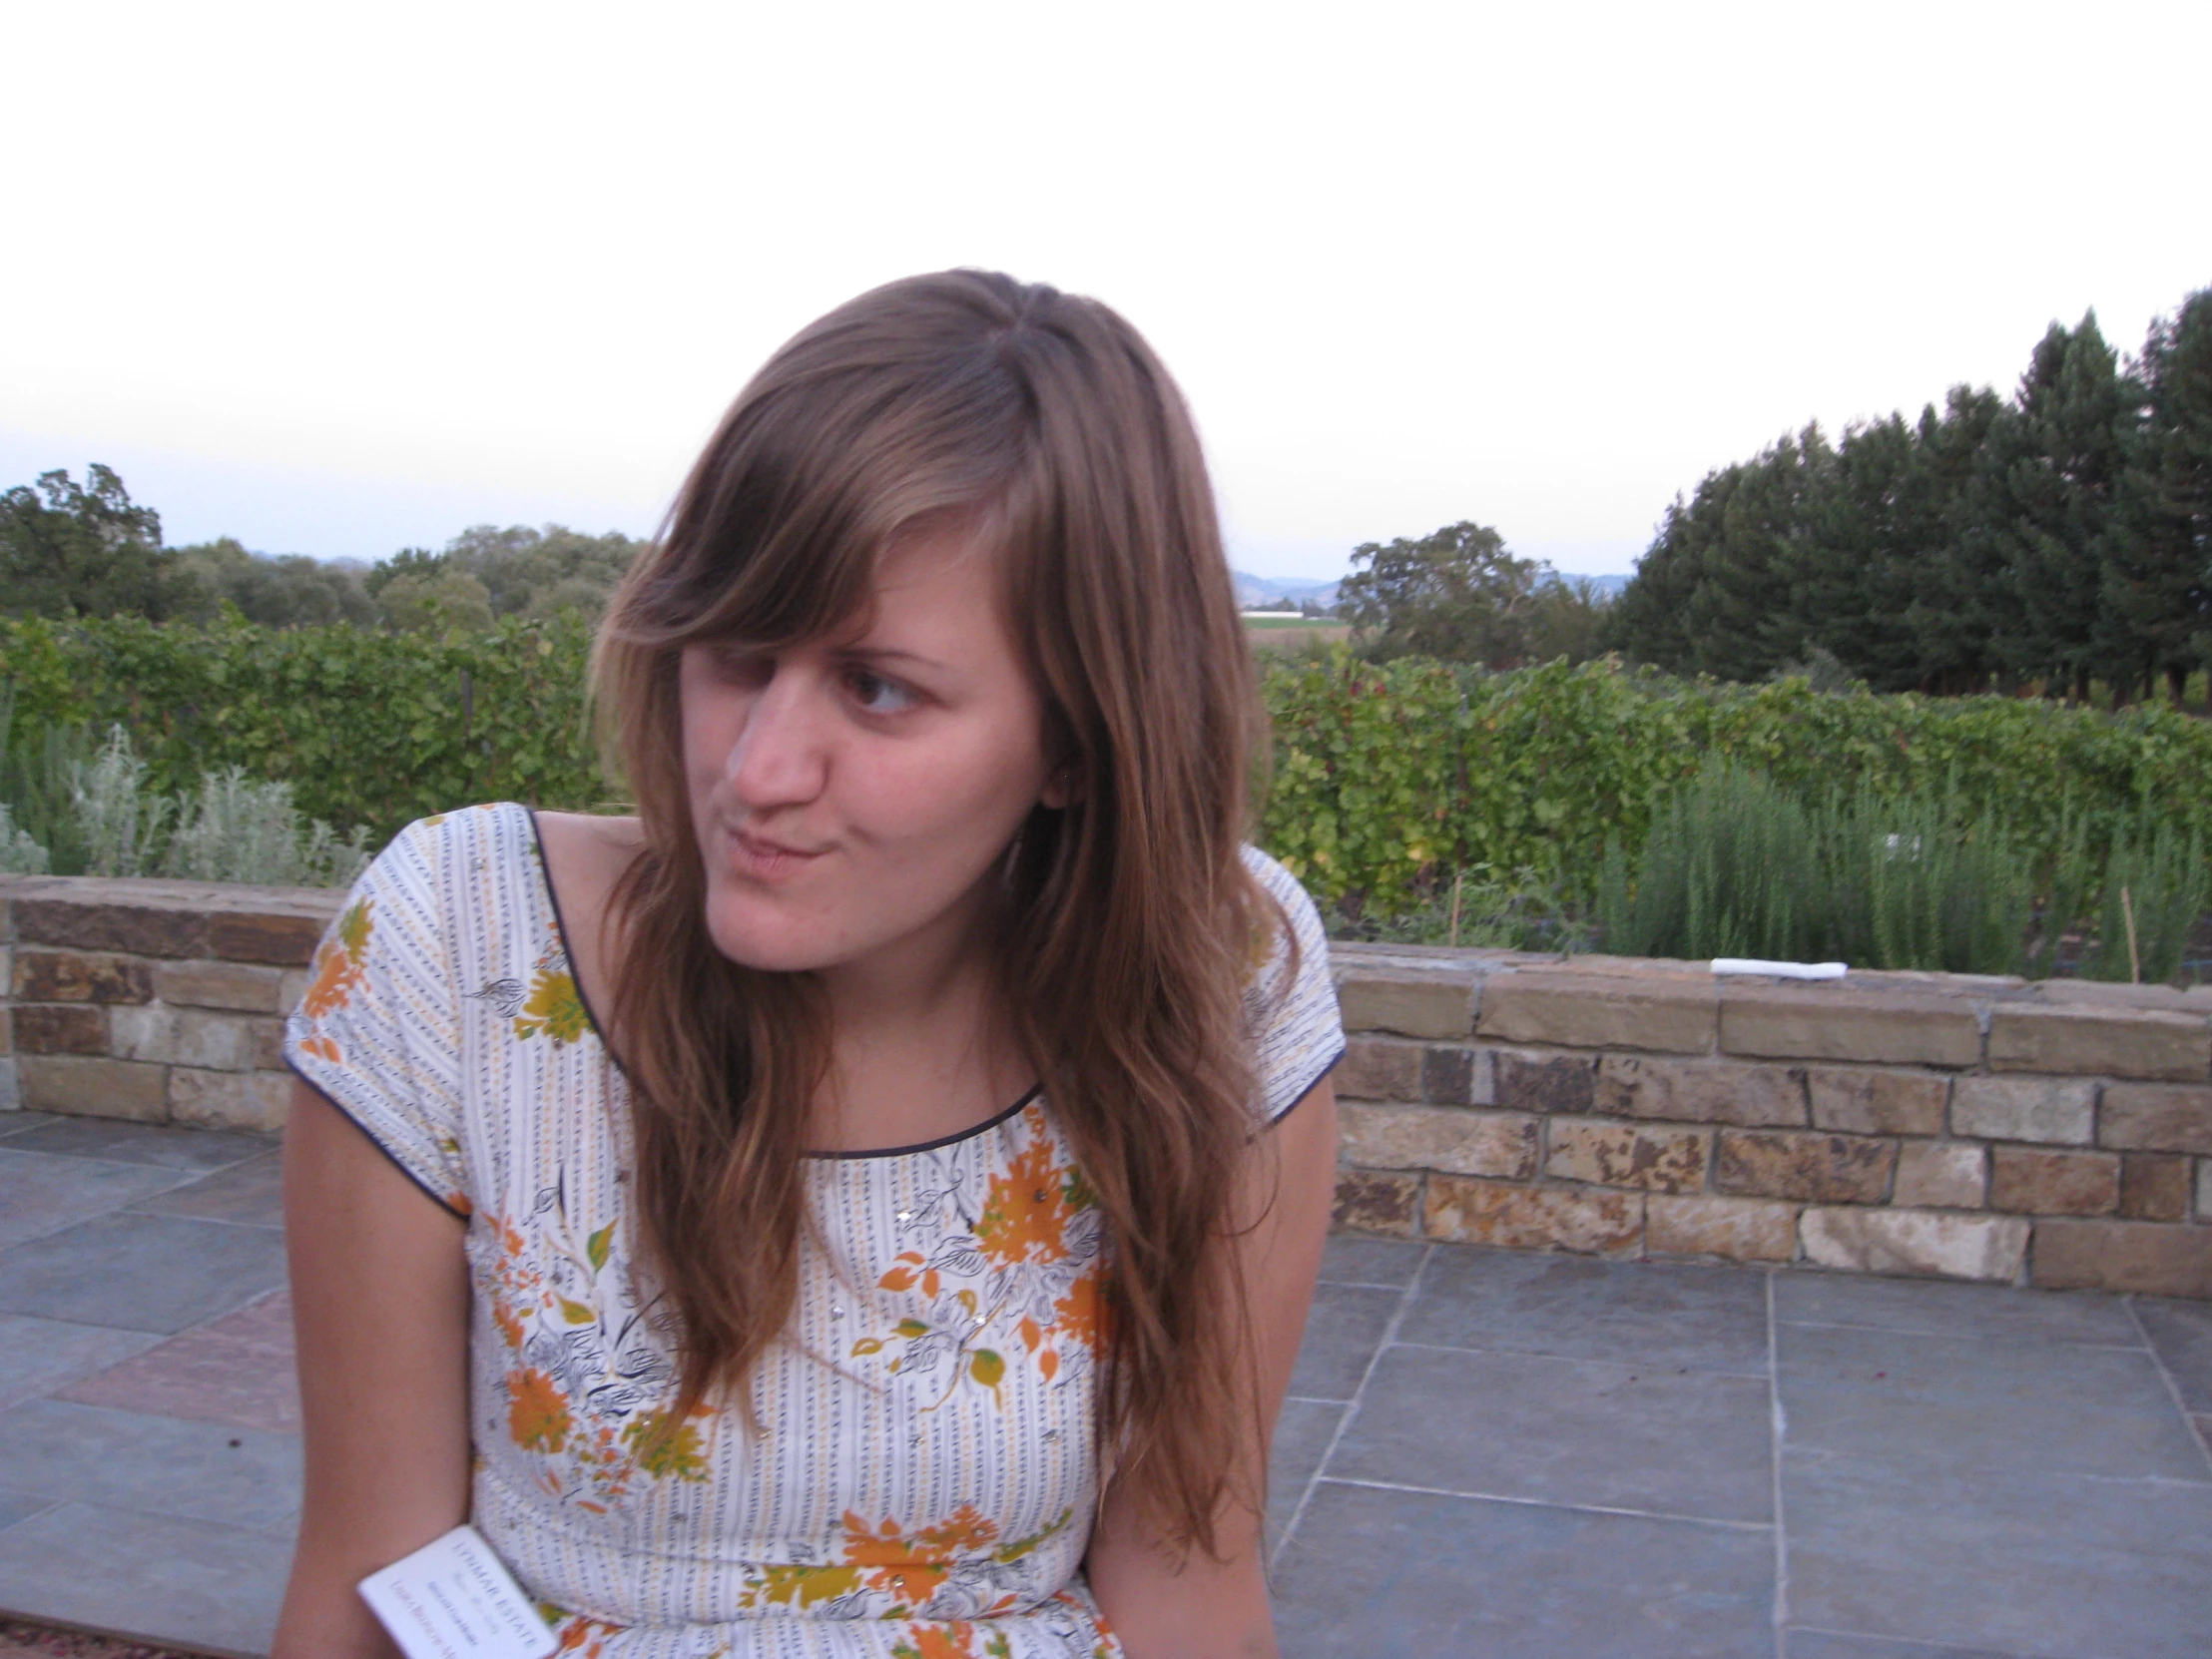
763 936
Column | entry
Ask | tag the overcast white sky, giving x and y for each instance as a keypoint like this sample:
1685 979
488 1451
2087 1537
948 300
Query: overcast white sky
338 279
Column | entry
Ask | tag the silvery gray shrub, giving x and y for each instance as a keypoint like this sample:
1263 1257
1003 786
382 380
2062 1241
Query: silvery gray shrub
231 829
19 853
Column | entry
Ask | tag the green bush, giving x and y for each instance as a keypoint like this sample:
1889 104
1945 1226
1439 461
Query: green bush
1735 867
1732 868
230 828
1922 881
2157 888
1389 780
367 728
1480 910
21 853
1389 777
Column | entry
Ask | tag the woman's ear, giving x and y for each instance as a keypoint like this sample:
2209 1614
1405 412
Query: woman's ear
1058 791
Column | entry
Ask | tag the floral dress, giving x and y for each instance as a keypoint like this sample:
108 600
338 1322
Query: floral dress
923 1474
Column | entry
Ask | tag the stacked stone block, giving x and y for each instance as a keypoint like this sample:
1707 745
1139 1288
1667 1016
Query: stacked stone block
156 1002
1979 1127
1972 1127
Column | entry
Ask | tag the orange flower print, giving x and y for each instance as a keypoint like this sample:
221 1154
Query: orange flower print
552 1007
952 1640
913 1269
337 962
584 1637
1080 1316
907 1570
911 1568
1025 1217
537 1415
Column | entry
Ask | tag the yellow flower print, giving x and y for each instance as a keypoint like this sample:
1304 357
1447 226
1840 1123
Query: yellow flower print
800 1586
552 1007
665 1446
537 1415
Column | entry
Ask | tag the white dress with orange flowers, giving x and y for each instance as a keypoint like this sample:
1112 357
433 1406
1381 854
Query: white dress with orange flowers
924 1476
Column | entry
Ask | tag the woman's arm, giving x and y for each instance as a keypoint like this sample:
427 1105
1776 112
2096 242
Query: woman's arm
1160 1607
380 1291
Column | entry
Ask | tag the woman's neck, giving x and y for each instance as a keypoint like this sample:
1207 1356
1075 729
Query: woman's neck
919 1048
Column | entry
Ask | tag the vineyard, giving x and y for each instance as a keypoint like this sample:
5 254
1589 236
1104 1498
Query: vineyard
1390 784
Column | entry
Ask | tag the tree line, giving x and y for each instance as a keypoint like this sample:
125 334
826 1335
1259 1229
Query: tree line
88 550
2056 540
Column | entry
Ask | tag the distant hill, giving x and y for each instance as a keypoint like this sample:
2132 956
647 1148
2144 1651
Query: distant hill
1253 591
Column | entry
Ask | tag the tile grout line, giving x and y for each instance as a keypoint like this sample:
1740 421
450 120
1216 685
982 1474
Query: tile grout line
25 1521
2039 1338
1638 1365
135 1215
218 1221
1543 1504
2173 1388
1355 1285
1776 1431
1351 1406
1939 1649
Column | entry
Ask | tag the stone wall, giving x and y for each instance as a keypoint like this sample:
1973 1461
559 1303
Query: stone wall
2058 1134
157 1001
1977 1128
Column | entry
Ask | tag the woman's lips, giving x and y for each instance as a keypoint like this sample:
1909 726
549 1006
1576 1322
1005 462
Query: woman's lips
764 860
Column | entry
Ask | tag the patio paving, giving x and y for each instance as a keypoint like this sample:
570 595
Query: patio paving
1486 1454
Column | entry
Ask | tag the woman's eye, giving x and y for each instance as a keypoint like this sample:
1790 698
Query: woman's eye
877 695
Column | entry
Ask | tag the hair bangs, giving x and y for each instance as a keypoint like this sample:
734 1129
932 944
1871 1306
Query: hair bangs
818 471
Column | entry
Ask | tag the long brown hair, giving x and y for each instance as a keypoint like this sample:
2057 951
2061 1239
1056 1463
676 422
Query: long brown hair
1130 918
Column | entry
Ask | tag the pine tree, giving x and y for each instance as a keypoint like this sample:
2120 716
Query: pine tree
2156 580
1963 604
1736 617
2056 466
1898 607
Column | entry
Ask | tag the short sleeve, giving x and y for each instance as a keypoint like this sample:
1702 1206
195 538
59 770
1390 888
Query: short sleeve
1291 1001
377 1030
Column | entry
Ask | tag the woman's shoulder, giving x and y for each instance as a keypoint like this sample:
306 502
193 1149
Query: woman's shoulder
1295 906
502 827
506 834
434 872
586 854
1291 996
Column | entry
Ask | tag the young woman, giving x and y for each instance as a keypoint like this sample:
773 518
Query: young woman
866 1204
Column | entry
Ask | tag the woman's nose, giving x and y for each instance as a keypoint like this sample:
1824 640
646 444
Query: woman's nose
782 753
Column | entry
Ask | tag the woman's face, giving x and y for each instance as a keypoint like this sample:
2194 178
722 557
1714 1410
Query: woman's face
851 795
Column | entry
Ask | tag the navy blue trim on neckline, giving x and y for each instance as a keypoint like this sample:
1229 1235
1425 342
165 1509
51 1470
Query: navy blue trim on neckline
560 933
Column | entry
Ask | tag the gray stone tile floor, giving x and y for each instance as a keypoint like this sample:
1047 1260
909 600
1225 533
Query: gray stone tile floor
1486 1454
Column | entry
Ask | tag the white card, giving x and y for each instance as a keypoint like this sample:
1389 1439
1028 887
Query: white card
454 1599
